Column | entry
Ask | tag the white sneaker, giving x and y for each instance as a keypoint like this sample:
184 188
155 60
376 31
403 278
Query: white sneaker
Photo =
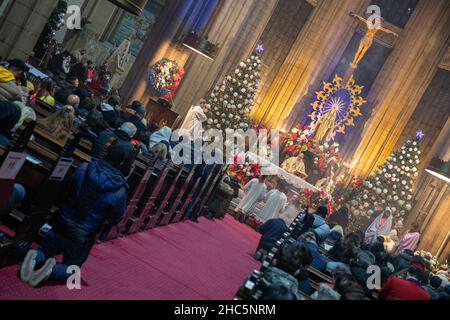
28 264
43 273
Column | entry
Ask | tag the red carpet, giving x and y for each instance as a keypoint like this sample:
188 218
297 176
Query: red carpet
185 261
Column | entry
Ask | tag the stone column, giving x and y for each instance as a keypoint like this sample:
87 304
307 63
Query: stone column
403 81
23 25
322 39
236 28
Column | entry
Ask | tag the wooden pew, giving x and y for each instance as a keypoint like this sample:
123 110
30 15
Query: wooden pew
17 144
150 204
58 144
154 219
134 201
49 191
179 216
217 177
170 215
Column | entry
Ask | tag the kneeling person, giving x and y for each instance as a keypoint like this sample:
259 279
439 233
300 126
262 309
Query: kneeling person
99 194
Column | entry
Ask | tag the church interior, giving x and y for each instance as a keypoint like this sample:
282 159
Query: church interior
348 99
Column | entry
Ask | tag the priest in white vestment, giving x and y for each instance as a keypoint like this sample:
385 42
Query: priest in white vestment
276 202
254 191
192 125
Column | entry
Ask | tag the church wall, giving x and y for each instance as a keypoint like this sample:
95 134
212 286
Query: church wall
431 114
236 27
22 25
321 40
288 18
403 81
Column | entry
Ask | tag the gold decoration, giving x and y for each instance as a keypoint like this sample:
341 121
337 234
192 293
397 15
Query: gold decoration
330 115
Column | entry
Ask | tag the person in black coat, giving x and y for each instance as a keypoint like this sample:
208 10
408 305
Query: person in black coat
111 111
306 224
123 143
142 133
62 95
340 217
9 117
79 70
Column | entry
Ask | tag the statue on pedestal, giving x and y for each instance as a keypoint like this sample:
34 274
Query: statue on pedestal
295 165
325 126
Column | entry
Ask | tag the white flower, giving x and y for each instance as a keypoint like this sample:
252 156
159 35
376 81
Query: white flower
216 121
210 121
242 64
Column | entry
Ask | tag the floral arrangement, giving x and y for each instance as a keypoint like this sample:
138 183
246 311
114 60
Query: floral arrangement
314 199
327 157
165 77
244 172
297 141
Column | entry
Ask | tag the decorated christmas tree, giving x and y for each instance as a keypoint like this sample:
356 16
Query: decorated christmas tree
230 103
55 23
390 186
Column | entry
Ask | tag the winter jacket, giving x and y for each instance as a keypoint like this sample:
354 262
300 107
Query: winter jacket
123 143
9 90
111 116
273 230
99 193
321 228
275 277
303 281
319 262
9 117
401 289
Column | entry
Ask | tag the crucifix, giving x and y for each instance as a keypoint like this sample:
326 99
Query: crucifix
366 42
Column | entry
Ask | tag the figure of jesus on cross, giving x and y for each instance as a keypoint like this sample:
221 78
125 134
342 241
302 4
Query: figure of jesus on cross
367 40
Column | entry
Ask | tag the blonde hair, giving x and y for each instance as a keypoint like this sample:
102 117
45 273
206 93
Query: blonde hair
60 123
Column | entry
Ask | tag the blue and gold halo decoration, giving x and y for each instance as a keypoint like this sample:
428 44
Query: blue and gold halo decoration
346 99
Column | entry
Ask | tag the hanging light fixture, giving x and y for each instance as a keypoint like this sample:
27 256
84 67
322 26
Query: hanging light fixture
135 7
439 169
201 45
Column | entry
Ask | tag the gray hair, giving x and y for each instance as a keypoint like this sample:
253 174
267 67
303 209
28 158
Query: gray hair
129 128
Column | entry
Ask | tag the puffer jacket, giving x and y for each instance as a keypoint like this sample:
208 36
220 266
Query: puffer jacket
9 90
99 193
321 228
